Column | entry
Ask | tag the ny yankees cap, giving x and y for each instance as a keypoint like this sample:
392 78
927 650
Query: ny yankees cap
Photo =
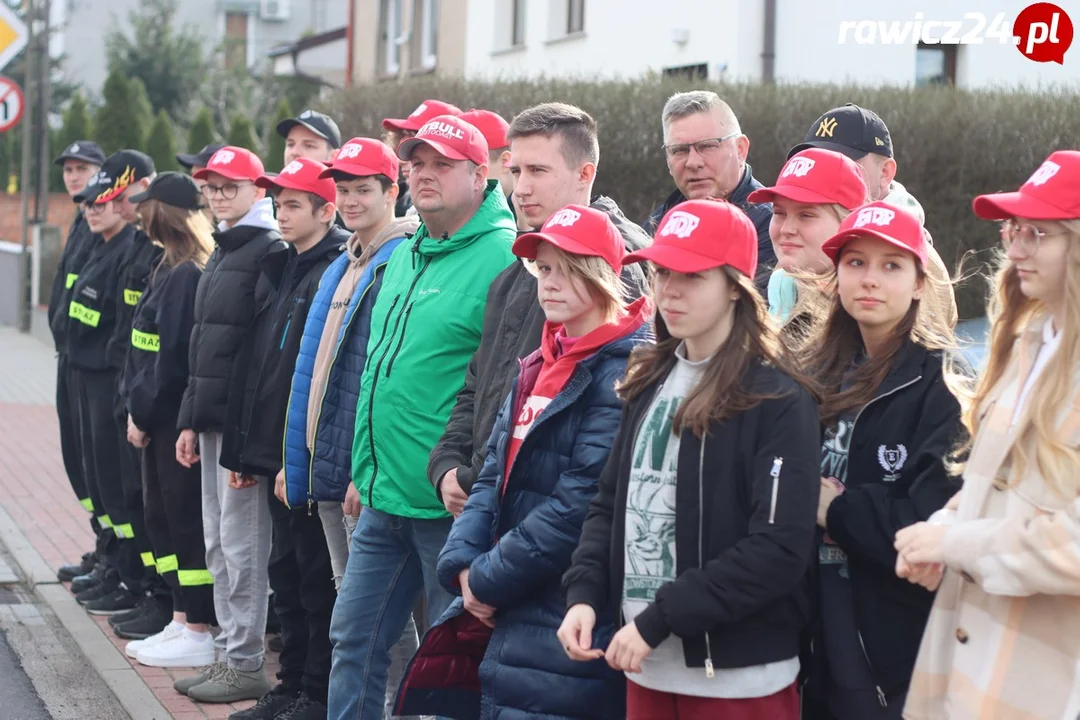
422 115
172 188
1051 193
577 230
701 234
851 130
451 137
884 222
364 157
817 176
234 163
84 150
317 122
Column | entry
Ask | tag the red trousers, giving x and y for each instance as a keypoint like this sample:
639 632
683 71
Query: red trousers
645 704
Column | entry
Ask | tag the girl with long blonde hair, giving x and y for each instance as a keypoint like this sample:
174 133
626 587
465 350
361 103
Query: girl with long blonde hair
1003 640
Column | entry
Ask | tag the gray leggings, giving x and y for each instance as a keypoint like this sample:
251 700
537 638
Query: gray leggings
339 528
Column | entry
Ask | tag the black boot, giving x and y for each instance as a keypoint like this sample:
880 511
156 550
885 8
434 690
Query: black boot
153 619
67 573
103 589
116 602
91 579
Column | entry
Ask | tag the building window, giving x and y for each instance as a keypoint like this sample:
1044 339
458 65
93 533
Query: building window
688 72
425 34
935 65
390 24
575 16
236 39
517 23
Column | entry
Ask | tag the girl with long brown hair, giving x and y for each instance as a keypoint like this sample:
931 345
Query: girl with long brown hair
157 372
889 416
1003 640
703 526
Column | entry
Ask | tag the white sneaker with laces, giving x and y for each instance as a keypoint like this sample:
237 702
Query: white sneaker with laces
170 631
186 649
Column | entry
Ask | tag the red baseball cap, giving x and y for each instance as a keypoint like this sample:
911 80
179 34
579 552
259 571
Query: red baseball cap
883 221
578 230
422 115
1051 193
449 136
491 125
700 234
363 157
302 174
235 163
817 176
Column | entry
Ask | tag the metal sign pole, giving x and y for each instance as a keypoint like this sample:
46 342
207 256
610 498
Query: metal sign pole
25 178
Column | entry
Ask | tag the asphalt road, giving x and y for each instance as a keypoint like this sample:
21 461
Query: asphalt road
20 699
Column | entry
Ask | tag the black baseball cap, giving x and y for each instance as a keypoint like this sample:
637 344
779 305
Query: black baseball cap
84 150
172 188
851 130
117 173
199 159
318 123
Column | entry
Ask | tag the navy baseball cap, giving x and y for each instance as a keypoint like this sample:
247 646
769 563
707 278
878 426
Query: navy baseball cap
84 150
318 123
849 130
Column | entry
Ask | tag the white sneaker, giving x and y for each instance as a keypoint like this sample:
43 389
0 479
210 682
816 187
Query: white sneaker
171 630
187 649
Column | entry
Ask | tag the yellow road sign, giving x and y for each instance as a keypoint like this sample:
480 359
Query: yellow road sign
13 35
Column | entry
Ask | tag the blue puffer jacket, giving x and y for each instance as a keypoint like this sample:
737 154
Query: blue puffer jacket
323 475
516 537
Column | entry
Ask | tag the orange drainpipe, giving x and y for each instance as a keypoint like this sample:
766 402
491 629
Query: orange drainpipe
349 50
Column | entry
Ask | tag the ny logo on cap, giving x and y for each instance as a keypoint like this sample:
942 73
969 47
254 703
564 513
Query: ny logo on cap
292 168
680 224
350 151
565 217
305 115
419 110
826 128
798 167
874 216
443 130
1046 171
74 148
223 157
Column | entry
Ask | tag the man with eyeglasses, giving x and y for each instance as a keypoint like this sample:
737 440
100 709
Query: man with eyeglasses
706 156
236 511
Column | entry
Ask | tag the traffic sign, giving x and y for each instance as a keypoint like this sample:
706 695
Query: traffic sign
13 35
12 104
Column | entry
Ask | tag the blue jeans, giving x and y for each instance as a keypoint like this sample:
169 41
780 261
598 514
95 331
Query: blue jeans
391 561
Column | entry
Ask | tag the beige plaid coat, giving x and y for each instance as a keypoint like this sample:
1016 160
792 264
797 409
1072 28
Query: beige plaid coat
1003 640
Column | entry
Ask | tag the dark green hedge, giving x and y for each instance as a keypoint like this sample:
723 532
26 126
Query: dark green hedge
950 144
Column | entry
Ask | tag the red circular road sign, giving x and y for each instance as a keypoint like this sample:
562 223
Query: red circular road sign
12 104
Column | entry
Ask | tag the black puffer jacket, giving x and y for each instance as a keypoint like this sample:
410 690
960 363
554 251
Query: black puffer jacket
80 244
253 443
513 321
225 304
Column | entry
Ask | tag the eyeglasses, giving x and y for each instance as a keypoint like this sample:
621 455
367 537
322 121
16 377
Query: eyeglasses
708 146
1027 236
228 191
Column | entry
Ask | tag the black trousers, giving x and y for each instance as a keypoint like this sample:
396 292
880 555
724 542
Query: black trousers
67 412
303 583
102 471
172 497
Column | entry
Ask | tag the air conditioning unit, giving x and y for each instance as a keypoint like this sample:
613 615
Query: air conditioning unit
274 10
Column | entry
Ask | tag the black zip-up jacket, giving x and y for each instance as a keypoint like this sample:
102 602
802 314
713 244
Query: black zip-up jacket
138 263
80 243
513 320
253 440
156 370
92 309
896 477
745 516
759 213
225 304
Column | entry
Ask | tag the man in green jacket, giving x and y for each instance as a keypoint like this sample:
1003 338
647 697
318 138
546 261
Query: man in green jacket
431 310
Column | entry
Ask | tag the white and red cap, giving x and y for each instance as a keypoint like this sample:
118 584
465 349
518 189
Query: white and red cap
423 113
302 174
451 137
1051 193
816 176
883 221
491 125
577 230
364 157
701 234
235 163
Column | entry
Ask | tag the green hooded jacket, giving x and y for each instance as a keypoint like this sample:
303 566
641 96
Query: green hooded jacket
425 327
